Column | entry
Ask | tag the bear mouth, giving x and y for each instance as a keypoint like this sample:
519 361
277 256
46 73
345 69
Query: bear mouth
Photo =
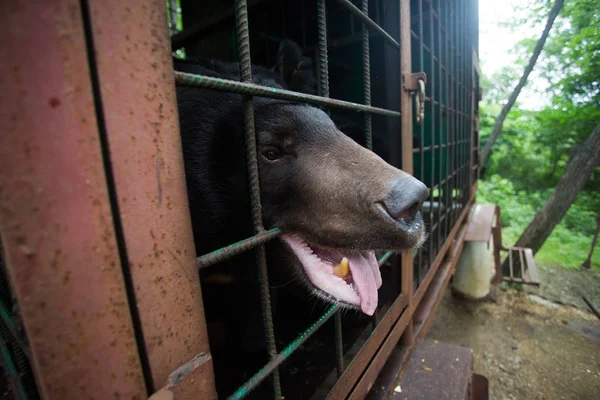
347 276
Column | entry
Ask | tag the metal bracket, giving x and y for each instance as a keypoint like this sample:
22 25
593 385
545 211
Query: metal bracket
411 81
415 83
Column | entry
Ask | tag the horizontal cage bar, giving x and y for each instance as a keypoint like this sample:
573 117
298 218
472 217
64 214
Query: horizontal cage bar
369 22
209 82
234 249
263 373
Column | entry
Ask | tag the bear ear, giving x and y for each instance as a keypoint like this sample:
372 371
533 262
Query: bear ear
293 71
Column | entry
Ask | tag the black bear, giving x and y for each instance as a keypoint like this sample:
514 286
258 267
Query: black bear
335 201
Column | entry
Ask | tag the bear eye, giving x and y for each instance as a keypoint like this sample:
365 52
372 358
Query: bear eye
272 155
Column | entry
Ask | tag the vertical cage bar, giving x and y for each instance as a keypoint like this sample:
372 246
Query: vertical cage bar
339 348
367 76
243 42
407 155
455 106
157 229
437 33
463 102
324 85
432 91
56 220
465 69
459 97
322 46
447 63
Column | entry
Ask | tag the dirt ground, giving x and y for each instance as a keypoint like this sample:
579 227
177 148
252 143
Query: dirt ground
531 343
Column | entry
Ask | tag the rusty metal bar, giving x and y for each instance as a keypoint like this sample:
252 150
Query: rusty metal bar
421 265
272 365
153 213
56 225
9 324
339 344
243 42
407 258
322 49
369 22
367 76
251 89
324 91
11 373
383 259
215 257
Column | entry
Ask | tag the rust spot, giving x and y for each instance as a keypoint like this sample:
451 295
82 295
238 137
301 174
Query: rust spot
26 250
67 277
54 102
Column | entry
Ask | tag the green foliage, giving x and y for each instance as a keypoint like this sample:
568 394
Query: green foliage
178 26
533 150
569 243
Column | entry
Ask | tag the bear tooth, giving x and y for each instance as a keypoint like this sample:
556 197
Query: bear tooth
342 268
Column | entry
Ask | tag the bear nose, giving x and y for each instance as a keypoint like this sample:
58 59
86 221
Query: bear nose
405 199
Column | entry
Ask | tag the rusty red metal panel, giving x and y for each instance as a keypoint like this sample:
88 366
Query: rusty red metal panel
436 370
55 215
135 74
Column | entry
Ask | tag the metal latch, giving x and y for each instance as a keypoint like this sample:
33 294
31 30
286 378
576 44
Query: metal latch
415 84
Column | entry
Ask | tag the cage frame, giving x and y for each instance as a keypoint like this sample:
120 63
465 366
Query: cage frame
185 367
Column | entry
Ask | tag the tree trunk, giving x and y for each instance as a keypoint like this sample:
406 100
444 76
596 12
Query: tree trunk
587 264
577 173
513 97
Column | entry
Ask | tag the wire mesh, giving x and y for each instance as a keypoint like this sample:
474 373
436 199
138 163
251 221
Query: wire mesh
442 48
443 43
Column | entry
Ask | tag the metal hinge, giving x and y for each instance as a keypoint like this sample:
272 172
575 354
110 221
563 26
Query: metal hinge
415 84
411 81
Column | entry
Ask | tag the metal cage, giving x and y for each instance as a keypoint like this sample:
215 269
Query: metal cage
408 60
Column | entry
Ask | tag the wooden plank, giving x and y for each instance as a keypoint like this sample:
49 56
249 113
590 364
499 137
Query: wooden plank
522 263
533 274
510 262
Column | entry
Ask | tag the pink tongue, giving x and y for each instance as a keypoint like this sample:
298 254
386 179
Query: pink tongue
365 282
